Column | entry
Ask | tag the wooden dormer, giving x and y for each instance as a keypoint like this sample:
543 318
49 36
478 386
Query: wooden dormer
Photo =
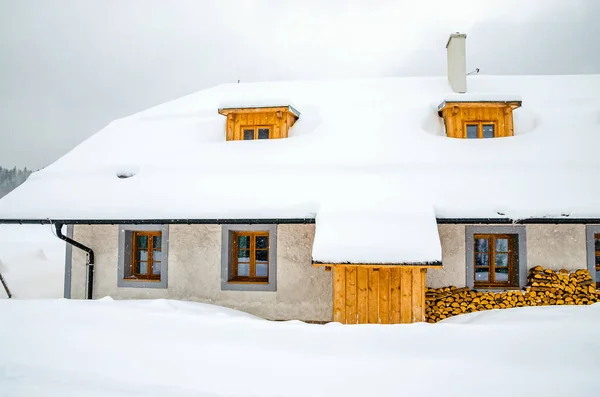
481 119
250 123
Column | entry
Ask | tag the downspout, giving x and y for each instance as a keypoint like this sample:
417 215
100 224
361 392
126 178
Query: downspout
90 262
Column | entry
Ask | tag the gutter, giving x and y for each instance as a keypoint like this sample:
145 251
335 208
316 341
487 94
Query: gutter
90 261
283 221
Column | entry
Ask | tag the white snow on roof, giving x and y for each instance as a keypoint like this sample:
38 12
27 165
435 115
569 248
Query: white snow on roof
373 228
349 134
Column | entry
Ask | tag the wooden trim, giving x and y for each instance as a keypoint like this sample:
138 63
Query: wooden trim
480 125
251 278
284 109
244 128
148 276
491 268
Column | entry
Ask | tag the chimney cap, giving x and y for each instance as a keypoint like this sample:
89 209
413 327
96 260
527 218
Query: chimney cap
455 35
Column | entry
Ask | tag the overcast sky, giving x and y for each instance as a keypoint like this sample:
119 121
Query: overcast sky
69 67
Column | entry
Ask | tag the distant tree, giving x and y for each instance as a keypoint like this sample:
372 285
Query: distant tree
11 178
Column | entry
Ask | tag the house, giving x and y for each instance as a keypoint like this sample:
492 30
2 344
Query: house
331 200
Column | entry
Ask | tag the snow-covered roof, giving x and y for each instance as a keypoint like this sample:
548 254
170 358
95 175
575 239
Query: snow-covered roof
371 227
350 135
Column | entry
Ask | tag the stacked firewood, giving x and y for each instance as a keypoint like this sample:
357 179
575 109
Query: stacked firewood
544 287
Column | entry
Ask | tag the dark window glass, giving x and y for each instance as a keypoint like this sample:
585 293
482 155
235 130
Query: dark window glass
244 242
597 244
502 245
263 133
472 131
248 135
501 260
488 130
262 255
481 245
156 242
481 260
142 241
244 256
262 241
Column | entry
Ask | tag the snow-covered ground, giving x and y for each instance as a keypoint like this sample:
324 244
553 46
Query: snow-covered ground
32 261
170 348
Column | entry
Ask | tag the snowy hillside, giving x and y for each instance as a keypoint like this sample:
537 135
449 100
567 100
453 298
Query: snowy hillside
168 348
32 261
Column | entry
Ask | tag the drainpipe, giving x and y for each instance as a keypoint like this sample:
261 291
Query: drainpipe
90 262
5 286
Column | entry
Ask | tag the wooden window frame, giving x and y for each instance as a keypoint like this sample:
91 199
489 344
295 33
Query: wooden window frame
150 261
256 128
252 278
512 282
480 125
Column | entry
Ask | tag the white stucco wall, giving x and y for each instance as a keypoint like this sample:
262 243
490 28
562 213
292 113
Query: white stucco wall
551 246
303 292
194 272
556 246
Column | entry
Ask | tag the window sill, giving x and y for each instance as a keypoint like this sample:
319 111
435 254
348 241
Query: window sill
247 282
493 288
142 280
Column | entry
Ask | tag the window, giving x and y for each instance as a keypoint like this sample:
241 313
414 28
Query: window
262 132
143 256
249 258
147 256
481 129
593 252
496 257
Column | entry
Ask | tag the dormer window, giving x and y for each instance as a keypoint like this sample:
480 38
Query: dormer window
251 123
480 130
478 119
250 133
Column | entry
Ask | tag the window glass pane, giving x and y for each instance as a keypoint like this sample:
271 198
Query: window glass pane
141 255
243 270
156 242
141 267
243 255
501 245
262 241
597 244
157 255
501 275
597 261
248 135
262 255
244 241
263 133
481 274
262 270
501 260
156 268
488 130
481 260
142 241
472 131
481 245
